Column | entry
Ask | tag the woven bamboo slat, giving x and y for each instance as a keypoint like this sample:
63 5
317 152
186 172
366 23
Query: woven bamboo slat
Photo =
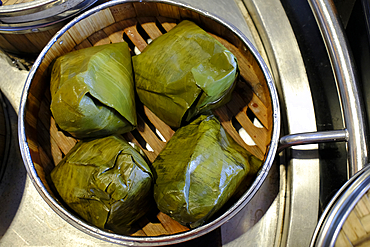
10 2
132 22
356 229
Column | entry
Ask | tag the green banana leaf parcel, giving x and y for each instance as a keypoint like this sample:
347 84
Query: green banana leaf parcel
92 91
183 73
106 181
199 169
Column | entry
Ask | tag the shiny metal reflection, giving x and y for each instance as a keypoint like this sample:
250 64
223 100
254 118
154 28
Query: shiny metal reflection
346 79
313 137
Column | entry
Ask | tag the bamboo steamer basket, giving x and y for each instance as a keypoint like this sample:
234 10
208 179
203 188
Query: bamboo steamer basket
254 99
26 26
356 229
346 220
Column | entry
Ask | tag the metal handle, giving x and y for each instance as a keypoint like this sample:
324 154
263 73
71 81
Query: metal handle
312 137
346 79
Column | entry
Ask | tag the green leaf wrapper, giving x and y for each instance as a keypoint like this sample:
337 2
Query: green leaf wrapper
92 91
183 73
199 170
106 181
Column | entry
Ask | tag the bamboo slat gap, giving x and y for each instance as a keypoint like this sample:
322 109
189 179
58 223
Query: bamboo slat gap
130 138
150 137
115 31
150 27
135 37
239 109
163 128
166 23
225 118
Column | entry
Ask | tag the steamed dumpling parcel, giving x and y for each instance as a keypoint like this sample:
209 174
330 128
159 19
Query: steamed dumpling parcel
106 181
183 73
92 91
199 169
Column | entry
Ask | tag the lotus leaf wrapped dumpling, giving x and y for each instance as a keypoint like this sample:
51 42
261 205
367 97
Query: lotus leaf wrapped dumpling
92 91
183 73
199 169
106 181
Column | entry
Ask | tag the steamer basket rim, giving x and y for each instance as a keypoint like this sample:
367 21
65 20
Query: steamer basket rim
160 240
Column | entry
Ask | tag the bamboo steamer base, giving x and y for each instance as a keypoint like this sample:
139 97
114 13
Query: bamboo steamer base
356 229
136 23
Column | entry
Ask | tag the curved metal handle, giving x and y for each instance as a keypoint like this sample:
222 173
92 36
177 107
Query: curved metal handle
313 137
346 79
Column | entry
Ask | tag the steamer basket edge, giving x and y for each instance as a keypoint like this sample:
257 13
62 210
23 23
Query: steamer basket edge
181 237
25 35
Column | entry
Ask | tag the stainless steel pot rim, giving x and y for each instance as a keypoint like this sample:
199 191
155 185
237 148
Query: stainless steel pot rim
160 240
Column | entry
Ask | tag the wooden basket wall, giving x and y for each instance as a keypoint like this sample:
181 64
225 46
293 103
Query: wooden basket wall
28 43
135 23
